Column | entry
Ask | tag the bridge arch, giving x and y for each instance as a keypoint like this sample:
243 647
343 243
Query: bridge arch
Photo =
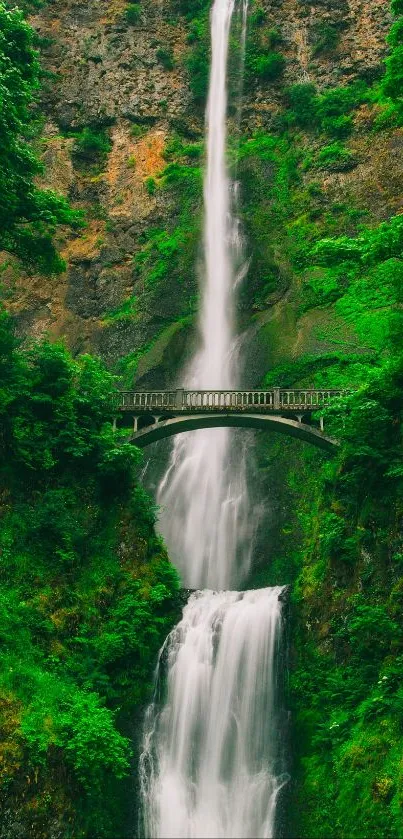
181 424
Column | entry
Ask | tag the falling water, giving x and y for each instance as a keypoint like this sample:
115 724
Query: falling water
211 765
205 513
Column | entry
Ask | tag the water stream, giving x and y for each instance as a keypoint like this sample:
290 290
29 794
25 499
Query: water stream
211 764
205 510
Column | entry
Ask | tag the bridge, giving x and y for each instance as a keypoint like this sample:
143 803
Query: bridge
155 415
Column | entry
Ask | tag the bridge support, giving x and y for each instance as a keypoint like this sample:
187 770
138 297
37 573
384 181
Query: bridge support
114 424
178 424
179 397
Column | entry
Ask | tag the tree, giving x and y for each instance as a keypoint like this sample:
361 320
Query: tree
28 215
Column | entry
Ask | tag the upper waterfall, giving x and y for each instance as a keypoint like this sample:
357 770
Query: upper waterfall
213 366
205 515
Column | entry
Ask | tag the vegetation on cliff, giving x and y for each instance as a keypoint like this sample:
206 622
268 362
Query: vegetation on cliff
338 256
28 214
87 591
87 598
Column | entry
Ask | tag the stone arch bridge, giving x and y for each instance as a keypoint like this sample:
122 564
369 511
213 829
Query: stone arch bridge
155 415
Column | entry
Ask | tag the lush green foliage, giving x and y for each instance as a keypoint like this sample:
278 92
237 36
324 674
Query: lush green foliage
88 594
92 144
326 282
133 13
346 686
197 58
325 112
268 66
263 62
28 215
337 157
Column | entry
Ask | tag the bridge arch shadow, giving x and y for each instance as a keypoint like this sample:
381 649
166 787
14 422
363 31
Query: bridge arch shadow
181 424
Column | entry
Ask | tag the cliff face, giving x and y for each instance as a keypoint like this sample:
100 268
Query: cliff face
119 108
106 76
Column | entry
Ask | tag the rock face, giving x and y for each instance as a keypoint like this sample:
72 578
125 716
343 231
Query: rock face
106 75
129 84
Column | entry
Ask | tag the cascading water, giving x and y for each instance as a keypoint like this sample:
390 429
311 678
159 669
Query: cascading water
205 514
211 764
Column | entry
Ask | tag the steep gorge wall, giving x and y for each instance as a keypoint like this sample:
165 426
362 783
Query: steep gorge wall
131 85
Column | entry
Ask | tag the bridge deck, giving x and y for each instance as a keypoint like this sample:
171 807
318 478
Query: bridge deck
239 401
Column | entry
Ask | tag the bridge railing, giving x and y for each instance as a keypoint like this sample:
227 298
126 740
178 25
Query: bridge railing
189 401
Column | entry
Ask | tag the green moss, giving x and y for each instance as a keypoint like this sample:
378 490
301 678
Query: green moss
324 37
166 58
262 61
393 84
268 67
92 144
151 186
133 13
337 157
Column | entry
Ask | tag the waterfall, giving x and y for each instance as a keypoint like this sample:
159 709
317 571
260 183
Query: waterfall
205 512
211 764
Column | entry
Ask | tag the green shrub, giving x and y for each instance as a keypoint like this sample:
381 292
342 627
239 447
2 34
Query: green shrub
397 7
92 143
341 100
337 157
166 58
262 61
273 37
373 245
339 127
192 7
151 185
302 102
393 83
197 64
268 67
133 13
257 16
395 37
325 38
28 215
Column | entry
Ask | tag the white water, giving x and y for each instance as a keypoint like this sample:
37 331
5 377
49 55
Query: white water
211 766
205 513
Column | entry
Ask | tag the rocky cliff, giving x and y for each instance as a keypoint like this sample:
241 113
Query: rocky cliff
123 124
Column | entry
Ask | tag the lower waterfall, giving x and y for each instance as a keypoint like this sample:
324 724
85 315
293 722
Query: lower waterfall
212 765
